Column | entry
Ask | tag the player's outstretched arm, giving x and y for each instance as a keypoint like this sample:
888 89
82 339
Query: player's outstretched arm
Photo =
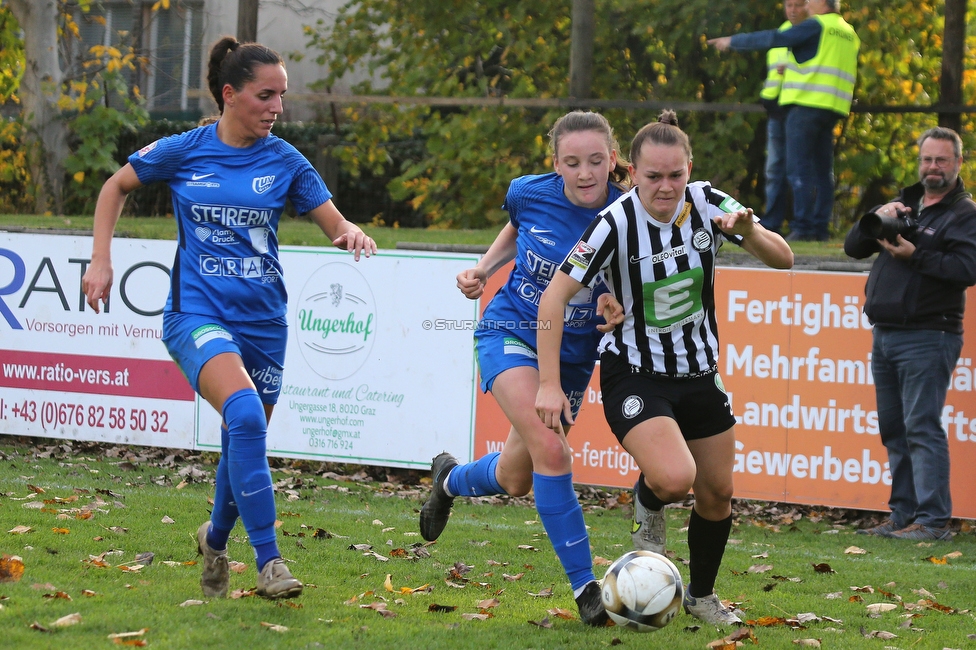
765 245
343 233
472 281
97 282
551 402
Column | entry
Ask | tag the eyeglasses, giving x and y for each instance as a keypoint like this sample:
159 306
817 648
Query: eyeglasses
940 162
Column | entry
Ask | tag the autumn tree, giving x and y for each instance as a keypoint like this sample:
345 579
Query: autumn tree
644 50
46 133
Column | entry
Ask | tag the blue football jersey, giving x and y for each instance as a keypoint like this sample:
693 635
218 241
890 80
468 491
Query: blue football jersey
227 202
548 225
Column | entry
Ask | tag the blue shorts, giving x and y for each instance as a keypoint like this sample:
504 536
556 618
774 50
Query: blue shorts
499 350
193 340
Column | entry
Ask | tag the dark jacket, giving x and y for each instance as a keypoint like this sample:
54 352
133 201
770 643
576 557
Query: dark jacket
928 291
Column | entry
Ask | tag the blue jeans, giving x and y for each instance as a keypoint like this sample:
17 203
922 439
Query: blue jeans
810 169
912 369
776 188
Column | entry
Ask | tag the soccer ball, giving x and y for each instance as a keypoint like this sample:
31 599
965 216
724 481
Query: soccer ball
642 591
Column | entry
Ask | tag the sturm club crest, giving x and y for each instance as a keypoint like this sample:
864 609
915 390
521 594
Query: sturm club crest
701 240
336 321
632 406
262 184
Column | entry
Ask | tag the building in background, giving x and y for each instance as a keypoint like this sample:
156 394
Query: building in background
175 43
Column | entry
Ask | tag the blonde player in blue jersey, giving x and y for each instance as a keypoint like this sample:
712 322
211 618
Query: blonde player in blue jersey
662 394
547 214
224 321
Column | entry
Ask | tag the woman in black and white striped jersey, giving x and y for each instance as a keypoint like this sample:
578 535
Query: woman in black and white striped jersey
662 394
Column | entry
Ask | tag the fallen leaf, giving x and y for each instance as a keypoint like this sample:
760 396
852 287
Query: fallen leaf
275 628
58 595
167 520
823 567
527 547
191 603
807 643
20 530
760 568
544 623
434 607
601 561
517 576
88 592
37 626
475 617
937 560
559 612
543 593
388 583
237 567
125 635
11 568
65 621
145 559
854 550
60 531
488 603
879 608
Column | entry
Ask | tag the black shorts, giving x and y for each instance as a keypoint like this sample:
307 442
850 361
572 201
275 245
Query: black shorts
698 404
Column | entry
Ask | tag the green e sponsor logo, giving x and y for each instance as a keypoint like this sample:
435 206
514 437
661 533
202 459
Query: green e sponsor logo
670 300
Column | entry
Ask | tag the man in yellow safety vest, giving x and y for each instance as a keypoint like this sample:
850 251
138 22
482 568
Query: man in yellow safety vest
818 86
777 58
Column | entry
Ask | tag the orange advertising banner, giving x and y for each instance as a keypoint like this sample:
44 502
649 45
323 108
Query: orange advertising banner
796 359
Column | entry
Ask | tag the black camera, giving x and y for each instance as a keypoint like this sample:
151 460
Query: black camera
877 226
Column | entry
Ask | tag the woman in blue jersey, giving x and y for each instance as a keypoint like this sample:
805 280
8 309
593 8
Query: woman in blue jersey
662 394
547 214
224 321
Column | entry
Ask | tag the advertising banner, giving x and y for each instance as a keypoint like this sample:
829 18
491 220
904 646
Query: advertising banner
66 372
796 360
379 368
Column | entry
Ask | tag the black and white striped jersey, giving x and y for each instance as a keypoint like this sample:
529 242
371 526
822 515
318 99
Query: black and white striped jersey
663 274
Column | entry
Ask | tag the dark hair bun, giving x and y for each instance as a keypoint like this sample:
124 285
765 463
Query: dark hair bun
668 116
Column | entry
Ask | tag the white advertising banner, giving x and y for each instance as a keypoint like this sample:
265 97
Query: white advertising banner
67 372
380 366
379 369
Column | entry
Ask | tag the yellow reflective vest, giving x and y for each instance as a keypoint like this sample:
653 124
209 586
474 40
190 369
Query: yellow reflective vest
775 57
827 80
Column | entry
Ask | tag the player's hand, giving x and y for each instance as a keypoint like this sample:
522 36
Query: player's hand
472 282
722 43
357 242
740 222
550 404
611 310
97 283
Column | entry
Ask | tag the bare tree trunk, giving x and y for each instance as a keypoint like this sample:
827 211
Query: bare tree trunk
247 21
47 133
953 43
581 49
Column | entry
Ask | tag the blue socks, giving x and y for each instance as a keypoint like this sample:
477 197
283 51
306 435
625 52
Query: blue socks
562 517
248 471
475 479
225 512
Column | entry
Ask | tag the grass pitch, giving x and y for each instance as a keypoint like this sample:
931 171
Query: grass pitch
78 515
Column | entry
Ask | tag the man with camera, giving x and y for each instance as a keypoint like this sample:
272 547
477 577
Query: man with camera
916 295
